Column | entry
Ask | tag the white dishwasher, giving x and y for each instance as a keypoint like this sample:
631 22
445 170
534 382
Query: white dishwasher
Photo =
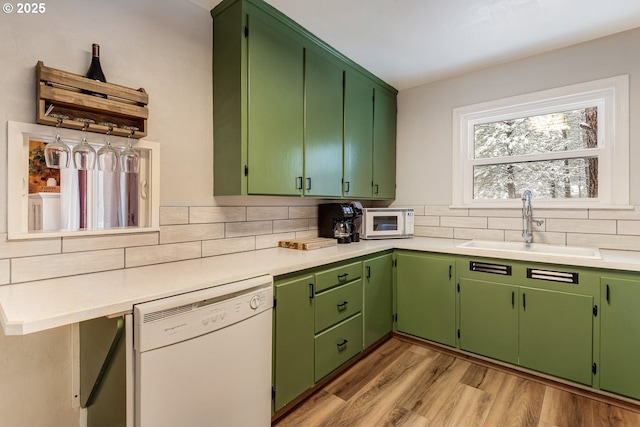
203 358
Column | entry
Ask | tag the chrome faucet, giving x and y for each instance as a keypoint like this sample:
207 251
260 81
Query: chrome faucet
527 217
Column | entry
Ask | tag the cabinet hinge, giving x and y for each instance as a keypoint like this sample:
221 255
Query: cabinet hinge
594 368
395 317
246 170
273 393
458 333
595 310
394 263
275 302
246 31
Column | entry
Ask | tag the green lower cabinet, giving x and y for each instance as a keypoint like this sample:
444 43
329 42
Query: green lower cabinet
426 296
337 345
556 333
378 298
489 319
293 369
620 336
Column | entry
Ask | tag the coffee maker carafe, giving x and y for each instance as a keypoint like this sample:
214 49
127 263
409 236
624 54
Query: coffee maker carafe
336 220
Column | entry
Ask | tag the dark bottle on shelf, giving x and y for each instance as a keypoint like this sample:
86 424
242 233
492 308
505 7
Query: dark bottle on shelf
95 70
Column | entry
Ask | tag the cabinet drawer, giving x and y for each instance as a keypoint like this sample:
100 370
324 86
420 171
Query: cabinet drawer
337 345
337 304
338 276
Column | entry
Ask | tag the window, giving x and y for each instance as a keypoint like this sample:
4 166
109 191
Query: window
569 146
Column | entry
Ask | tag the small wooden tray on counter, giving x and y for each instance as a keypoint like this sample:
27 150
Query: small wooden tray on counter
66 92
308 243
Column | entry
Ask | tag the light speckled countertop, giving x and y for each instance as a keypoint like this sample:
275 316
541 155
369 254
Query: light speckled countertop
35 306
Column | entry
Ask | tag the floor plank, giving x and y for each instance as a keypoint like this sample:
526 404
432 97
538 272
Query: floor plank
404 383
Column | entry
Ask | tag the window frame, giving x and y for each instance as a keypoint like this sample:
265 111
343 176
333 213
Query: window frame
610 95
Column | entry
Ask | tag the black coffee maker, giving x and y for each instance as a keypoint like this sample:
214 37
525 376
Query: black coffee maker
336 220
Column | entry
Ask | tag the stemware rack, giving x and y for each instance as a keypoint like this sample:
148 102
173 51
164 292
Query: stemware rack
67 93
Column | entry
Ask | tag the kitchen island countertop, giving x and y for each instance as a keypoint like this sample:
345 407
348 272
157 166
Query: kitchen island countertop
35 306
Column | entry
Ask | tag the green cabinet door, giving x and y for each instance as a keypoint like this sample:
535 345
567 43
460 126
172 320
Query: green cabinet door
323 127
489 319
384 145
620 336
426 297
378 298
358 136
293 370
275 112
556 333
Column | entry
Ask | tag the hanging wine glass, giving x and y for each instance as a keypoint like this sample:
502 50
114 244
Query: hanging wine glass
129 167
57 154
84 155
107 155
129 158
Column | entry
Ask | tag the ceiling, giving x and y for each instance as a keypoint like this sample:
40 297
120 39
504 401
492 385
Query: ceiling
411 42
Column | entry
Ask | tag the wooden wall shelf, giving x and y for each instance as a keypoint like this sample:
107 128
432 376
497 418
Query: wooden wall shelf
67 93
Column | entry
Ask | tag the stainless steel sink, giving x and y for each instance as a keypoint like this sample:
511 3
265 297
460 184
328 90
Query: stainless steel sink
533 248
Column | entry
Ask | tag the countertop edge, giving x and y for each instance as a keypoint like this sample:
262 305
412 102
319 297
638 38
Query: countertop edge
31 307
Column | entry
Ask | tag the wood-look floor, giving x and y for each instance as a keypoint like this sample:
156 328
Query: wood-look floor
403 383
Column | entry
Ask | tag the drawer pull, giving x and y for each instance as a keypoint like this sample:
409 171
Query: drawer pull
342 345
342 306
343 276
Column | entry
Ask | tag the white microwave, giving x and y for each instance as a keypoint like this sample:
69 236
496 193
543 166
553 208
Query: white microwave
386 223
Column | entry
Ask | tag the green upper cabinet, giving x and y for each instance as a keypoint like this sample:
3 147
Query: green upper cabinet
276 106
323 126
384 145
620 335
292 116
358 137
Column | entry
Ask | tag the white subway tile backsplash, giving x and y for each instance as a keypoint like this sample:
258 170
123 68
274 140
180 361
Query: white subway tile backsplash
259 213
252 228
600 226
629 227
504 223
477 234
147 255
427 221
199 214
602 241
228 246
463 222
5 271
49 266
509 213
283 226
445 211
203 231
441 232
22 248
630 214
190 232
297 212
561 213
171 215
93 243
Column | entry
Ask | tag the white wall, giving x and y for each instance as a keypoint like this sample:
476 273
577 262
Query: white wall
161 45
425 112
